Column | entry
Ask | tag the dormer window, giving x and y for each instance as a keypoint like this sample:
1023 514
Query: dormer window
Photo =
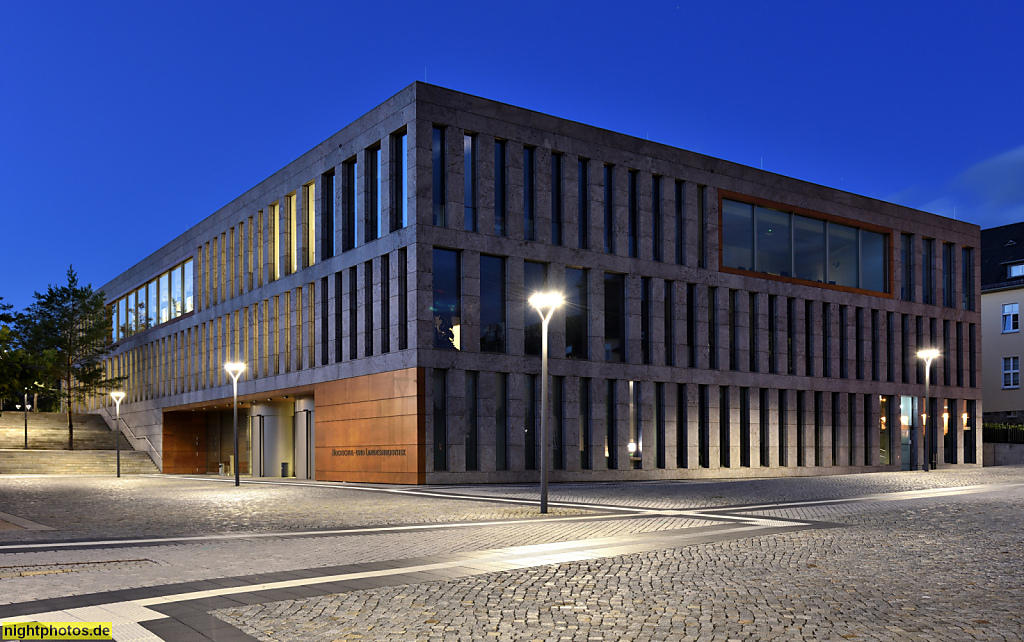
1015 271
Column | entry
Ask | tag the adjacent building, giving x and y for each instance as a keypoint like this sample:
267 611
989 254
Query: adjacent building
1002 293
719 321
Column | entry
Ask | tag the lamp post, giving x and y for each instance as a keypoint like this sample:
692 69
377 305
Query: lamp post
235 369
118 396
27 407
928 355
545 303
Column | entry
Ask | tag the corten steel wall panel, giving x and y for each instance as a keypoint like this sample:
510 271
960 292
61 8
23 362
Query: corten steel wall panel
184 442
377 412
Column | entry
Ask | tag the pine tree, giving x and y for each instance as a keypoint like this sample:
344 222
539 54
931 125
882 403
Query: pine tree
68 330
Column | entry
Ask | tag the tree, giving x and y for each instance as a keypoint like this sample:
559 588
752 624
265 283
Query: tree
70 325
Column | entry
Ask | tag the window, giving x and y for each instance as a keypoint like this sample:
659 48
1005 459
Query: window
609 209
309 191
326 215
439 177
500 421
400 179
927 271
1015 271
472 421
350 207
368 309
376 226
293 233
353 313
558 425
645 319
1010 317
907 267
492 303
175 294
656 216
164 284
781 243
808 249
403 299
636 424
948 280
614 317
713 328
531 416
385 303
440 398
576 313
585 437
610 441
1011 372
529 219
737 235
275 248
500 228
680 224
447 308
634 216
702 255
469 181
583 204
556 198
669 319
535 279
967 276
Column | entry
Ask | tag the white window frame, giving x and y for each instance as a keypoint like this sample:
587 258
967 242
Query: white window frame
1010 319
1011 368
1015 271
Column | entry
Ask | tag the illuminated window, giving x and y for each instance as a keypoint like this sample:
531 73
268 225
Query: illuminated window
187 268
275 235
175 293
293 233
447 309
310 192
164 285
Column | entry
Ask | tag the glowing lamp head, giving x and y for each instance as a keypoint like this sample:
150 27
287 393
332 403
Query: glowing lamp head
546 300
928 355
234 368
631 447
117 396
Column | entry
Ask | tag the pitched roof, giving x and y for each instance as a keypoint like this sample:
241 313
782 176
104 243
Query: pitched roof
1000 247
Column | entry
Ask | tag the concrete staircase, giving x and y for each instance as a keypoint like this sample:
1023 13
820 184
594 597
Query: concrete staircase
94 452
49 431
74 462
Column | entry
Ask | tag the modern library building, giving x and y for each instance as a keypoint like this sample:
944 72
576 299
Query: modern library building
718 320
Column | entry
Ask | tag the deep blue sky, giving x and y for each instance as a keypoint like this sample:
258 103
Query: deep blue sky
124 123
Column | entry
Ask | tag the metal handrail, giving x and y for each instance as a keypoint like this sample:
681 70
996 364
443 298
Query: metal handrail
152 446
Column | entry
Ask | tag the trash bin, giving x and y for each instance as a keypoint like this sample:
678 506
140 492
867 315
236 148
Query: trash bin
221 468
284 469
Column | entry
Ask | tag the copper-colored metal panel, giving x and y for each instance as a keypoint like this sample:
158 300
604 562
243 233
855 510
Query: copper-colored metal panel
371 429
184 443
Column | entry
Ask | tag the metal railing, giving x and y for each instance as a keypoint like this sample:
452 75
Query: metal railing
152 450
1002 434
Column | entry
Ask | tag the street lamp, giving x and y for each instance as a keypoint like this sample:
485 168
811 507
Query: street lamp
235 369
545 303
118 396
928 355
27 407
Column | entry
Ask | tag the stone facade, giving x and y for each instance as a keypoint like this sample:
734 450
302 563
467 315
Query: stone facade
726 372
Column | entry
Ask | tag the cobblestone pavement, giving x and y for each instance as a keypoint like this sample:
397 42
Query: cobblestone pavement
863 557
